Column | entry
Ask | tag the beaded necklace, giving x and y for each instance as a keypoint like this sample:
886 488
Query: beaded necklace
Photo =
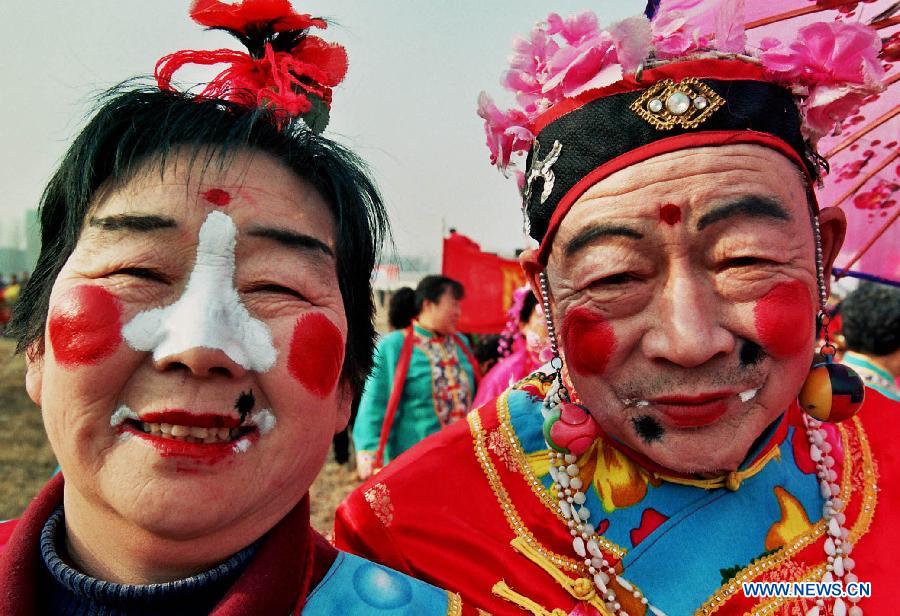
568 488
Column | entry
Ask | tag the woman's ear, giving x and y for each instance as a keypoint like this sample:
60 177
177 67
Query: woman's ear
34 371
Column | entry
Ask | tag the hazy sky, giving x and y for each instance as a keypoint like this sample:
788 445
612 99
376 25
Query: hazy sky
407 105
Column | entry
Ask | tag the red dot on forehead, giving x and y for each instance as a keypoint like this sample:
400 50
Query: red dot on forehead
589 341
217 196
84 326
316 354
784 319
670 214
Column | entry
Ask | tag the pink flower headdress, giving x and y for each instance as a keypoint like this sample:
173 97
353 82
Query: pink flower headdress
829 67
287 70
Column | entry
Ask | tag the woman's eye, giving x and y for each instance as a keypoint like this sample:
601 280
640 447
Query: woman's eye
140 272
275 288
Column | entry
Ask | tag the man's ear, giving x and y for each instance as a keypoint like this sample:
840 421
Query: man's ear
532 268
832 229
34 371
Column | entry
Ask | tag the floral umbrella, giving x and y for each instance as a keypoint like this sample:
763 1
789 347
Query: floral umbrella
863 152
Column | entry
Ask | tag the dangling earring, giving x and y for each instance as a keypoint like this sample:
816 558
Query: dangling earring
832 391
568 427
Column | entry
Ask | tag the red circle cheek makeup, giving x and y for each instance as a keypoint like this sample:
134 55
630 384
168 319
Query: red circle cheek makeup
316 354
784 319
85 326
589 341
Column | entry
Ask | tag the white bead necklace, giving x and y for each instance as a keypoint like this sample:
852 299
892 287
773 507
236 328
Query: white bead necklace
569 491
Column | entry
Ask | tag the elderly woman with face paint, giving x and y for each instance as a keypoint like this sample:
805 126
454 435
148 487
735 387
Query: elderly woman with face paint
198 322
679 445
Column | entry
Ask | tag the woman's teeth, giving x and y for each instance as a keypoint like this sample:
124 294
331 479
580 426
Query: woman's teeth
191 434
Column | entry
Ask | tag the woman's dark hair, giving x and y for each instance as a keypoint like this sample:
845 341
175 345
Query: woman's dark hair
133 128
433 288
406 304
870 319
528 305
402 308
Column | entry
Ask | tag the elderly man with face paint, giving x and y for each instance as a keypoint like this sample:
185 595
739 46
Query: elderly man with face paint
680 446
197 325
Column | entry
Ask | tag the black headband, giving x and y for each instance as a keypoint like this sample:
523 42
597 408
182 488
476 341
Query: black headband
572 146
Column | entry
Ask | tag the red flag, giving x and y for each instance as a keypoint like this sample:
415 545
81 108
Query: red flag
489 281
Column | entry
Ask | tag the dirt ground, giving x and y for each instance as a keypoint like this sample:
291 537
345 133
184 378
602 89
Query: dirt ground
26 461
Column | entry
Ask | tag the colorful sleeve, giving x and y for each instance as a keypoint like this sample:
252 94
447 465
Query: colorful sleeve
372 406
361 528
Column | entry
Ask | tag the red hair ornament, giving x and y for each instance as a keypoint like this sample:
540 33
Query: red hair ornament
286 71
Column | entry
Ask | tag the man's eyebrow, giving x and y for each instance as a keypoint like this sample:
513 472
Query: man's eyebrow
292 239
132 222
586 236
751 206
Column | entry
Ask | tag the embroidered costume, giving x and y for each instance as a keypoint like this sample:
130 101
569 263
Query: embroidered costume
510 548
427 379
293 570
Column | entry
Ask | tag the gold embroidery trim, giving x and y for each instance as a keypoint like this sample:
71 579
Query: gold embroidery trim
534 483
509 511
454 604
870 479
582 589
763 565
501 589
732 480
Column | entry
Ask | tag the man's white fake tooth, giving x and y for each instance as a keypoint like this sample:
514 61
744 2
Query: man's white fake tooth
747 396
641 403
242 445
122 413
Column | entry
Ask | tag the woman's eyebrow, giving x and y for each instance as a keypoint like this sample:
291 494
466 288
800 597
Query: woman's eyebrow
132 222
292 239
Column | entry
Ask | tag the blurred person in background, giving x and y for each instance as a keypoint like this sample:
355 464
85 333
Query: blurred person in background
870 324
401 308
424 376
523 347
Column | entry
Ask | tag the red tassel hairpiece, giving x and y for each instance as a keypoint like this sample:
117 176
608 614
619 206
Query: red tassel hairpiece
285 69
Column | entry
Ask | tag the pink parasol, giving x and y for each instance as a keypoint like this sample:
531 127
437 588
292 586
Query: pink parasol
863 155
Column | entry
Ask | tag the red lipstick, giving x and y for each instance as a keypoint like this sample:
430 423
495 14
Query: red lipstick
693 411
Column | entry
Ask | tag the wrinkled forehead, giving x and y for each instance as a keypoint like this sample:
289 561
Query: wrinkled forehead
692 182
246 185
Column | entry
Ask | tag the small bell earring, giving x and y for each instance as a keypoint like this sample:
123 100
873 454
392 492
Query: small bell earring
831 392
568 427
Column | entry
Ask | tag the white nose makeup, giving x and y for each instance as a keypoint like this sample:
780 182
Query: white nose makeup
209 313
